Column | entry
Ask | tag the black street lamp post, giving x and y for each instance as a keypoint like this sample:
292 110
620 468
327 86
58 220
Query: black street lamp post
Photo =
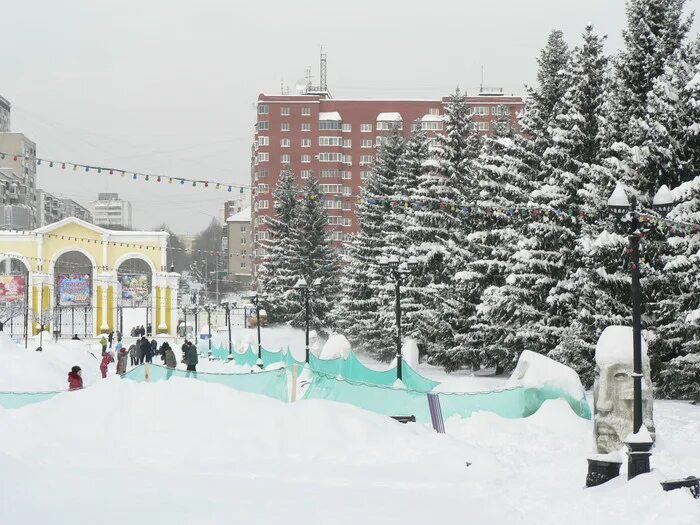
308 292
627 211
208 309
255 299
227 306
398 270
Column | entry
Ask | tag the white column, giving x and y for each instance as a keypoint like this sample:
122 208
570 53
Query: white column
174 285
161 283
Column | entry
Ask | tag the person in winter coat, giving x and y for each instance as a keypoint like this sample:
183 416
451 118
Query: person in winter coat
191 359
103 342
169 358
184 349
121 359
110 339
146 351
107 358
154 348
75 378
134 355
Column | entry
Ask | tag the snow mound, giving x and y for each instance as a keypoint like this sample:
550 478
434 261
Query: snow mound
25 370
536 371
409 352
336 346
615 346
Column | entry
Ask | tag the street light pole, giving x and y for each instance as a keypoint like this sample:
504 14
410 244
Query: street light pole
208 309
398 270
307 290
639 452
227 308
256 298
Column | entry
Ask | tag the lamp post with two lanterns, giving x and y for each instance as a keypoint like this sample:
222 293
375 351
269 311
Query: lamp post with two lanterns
398 270
308 291
627 210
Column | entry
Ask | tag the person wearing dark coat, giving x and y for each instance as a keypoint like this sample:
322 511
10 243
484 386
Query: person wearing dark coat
169 358
154 348
191 359
110 339
146 352
184 350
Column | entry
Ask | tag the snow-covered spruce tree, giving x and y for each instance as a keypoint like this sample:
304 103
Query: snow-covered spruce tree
402 241
440 199
365 287
691 97
280 266
317 260
509 312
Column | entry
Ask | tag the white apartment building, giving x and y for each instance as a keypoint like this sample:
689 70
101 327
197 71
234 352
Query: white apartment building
17 182
110 211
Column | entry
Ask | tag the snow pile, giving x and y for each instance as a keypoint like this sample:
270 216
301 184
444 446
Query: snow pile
409 352
615 345
25 370
336 346
535 371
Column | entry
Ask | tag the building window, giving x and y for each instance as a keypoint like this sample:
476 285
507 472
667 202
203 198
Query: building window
305 143
305 174
329 173
331 157
431 126
306 126
263 125
263 188
285 159
366 128
330 124
347 205
363 175
244 229
330 141
380 141
347 175
366 159
481 126
367 143
388 126
434 111
243 241
285 143
347 190
243 265
330 188
263 109
481 110
347 143
262 236
332 204
500 110
284 126
262 173
284 111
263 140
263 156
347 126
306 110
262 205
305 159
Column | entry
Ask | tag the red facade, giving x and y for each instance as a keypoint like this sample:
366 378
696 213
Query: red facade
335 141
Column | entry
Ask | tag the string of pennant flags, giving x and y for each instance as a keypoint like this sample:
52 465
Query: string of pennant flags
135 175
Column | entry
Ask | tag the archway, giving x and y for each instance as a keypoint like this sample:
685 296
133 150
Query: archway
14 296
73 297
134 295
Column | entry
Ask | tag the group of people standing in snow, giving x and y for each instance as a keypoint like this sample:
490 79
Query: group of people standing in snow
141 351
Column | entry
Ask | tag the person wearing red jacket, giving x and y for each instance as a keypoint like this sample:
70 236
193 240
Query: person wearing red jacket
75 379
107 358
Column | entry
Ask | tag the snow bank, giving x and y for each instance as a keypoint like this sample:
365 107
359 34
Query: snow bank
25 370
615 346
409 352
535 371
336 346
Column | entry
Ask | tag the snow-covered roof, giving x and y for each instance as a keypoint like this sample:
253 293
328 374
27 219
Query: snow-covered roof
389 117
432 118
242 216
329 115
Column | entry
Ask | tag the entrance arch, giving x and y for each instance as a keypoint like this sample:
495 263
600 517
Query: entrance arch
73 296
135 279
15 272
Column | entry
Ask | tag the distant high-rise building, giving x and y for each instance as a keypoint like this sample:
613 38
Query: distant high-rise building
51 208
240 249
111 211
5 114
17 182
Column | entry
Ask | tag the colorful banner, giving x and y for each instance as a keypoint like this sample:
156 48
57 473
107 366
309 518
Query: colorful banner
135 290
12 288
73 290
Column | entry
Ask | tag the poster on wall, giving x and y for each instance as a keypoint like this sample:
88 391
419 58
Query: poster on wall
12 288
135 289
73 289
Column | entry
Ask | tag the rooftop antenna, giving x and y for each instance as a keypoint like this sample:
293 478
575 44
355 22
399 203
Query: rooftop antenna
481 87
324 84
308 77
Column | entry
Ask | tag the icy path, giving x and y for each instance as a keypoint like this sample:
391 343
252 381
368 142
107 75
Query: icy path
186 452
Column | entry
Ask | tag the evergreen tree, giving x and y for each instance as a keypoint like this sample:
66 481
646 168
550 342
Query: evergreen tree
281 264
318 260
365 288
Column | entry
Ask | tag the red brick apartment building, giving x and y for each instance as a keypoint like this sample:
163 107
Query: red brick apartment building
336 140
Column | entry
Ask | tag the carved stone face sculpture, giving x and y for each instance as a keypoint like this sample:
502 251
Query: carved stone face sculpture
613 389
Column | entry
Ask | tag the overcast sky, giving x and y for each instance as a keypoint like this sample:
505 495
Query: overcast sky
170 86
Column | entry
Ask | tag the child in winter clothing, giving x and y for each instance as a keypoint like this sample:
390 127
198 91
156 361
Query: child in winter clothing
107 358
121 359
103 343
75 379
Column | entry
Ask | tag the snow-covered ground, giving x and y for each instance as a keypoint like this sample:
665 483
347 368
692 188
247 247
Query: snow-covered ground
185 452
189 452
